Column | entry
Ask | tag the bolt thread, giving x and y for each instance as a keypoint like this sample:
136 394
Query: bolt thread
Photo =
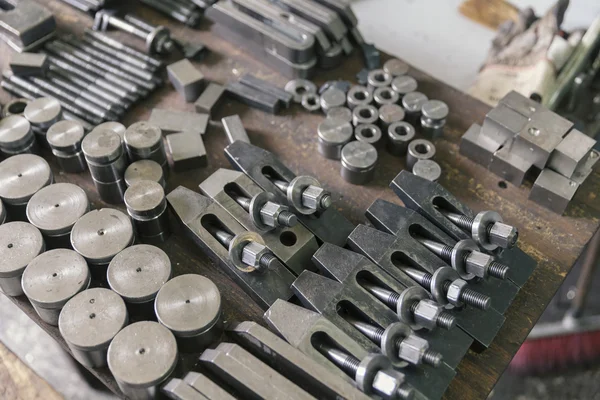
426 281
431 357
475 299
423 278
325 202
266 260
405 392
461 221
488 229
445 320
393 299
446 253
287 218
498 270
413 306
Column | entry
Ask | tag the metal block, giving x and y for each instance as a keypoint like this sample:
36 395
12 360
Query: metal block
186 79
25 64
209 98
585 169
521 104
253 97
501 125
177 389
234 129
262 167
187 151
207 388
250 376
24 25
295 365
294 246
571 152
479 151
267 87
509 166
171 121
195 212
553 191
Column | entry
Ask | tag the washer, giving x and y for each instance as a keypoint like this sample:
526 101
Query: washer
419 149
14 107
299 87
359 96
364 114
378 78
333 134
368 133
311 102
147 206
20 242
358 162
385 95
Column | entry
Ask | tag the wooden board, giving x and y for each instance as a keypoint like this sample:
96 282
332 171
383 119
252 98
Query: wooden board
554 241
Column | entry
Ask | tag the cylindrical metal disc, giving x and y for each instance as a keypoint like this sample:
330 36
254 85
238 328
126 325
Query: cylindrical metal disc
21 176
145 199
55 276
102 146
413 101
92 318
188 304
142 354
359 156
55 208
101 234
15 132
142 170
43 112
427 169
395 67
138 272
143 138
66 136
342 113
20 242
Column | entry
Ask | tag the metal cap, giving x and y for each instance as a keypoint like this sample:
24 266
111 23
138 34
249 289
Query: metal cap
427 169
116 127
413 101
55 276
188 305
144 170
43 112
435 110
145 199
395 67
21 176
65 136
332 97
404 84
143 354
20 243
143 138
138 272
55 208
342 113
102 145
390 113
15 132
101 234
359 156
92 318
334 131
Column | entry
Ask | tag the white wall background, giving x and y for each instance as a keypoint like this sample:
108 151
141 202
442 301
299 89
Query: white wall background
433 36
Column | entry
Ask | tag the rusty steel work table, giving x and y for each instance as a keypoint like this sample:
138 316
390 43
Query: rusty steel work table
555 242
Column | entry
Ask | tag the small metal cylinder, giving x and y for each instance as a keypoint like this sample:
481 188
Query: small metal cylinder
42 113
433 118
395 67
147 206
369 133
190 306
142 356
378 78
144 170
14 107
419 149
20 242
342 113
358 162
385 95
358 96
16 136
100 235
399 135
364 114
404 84
64 138
331 98
388 114
412 103
144 142
137 274
53 278
117 128
55 209
21 176
89 322
427 169
333 134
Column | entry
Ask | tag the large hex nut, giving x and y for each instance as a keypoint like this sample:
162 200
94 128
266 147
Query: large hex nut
479 230
455 291
412 349
478 264
270 213
426 313
245 251
368 368
503 235
387 383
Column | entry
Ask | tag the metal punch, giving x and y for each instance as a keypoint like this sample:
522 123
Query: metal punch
201 217
428 199
328 225
382 248
293 245
411 304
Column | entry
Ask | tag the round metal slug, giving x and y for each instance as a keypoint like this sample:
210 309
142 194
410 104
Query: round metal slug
55 209
64 139
147 206
43 112
100 235
144 141
14 107
311 102
102 146
333 134
16 136
21 176
378 78
20 242
359 96
342 113
368 133
419 149
388 114
115 127
144 170
190 306
331 98
89 322
427 169
51 279
385 95
395 67
399 135
237 246
364 114
358 162
404 84
299 87
142 356
412 103
433 118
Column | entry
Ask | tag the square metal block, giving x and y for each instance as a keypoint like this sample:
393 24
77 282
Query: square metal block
553 191
477 149
186 79
209 98
170 121
535 143
585 169
502 124
572 152
509 166
27 64
521 104
187 151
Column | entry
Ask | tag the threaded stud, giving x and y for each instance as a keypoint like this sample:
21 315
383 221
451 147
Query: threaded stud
287 218
498 270
445 320
433 358
475 299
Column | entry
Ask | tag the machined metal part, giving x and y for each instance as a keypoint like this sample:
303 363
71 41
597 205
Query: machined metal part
584 170
333 134
487 229
121 48
234 129
42 113
500 126
395 67
20 243
403 85
399 135
177 389
535 144
521 104
64 139
88 323
272 176
147 207
190 306
25 64
292 245
171 121
413 103
142 356
378 78
248 375
143 141
553 191
187 151
299 87
199 215
51 279
15 107
433 118
390 114
21 176
144 170
311 102
369 133
364 114
16 136
296 366
571 153
427 169
54 210
26 24
282 95
359 96
478 150
209 389
343 113
419 149
509 166
253 97
385 95
186 79
209 98
332 97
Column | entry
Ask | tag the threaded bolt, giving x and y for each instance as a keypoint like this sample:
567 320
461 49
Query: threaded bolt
432 358
471 297
286 218
267 260
325 202
498 270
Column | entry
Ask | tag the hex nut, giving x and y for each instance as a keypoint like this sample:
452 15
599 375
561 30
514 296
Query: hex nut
478 264
387 382
312 195
252 253
270 213
426 313
455 291
412 348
